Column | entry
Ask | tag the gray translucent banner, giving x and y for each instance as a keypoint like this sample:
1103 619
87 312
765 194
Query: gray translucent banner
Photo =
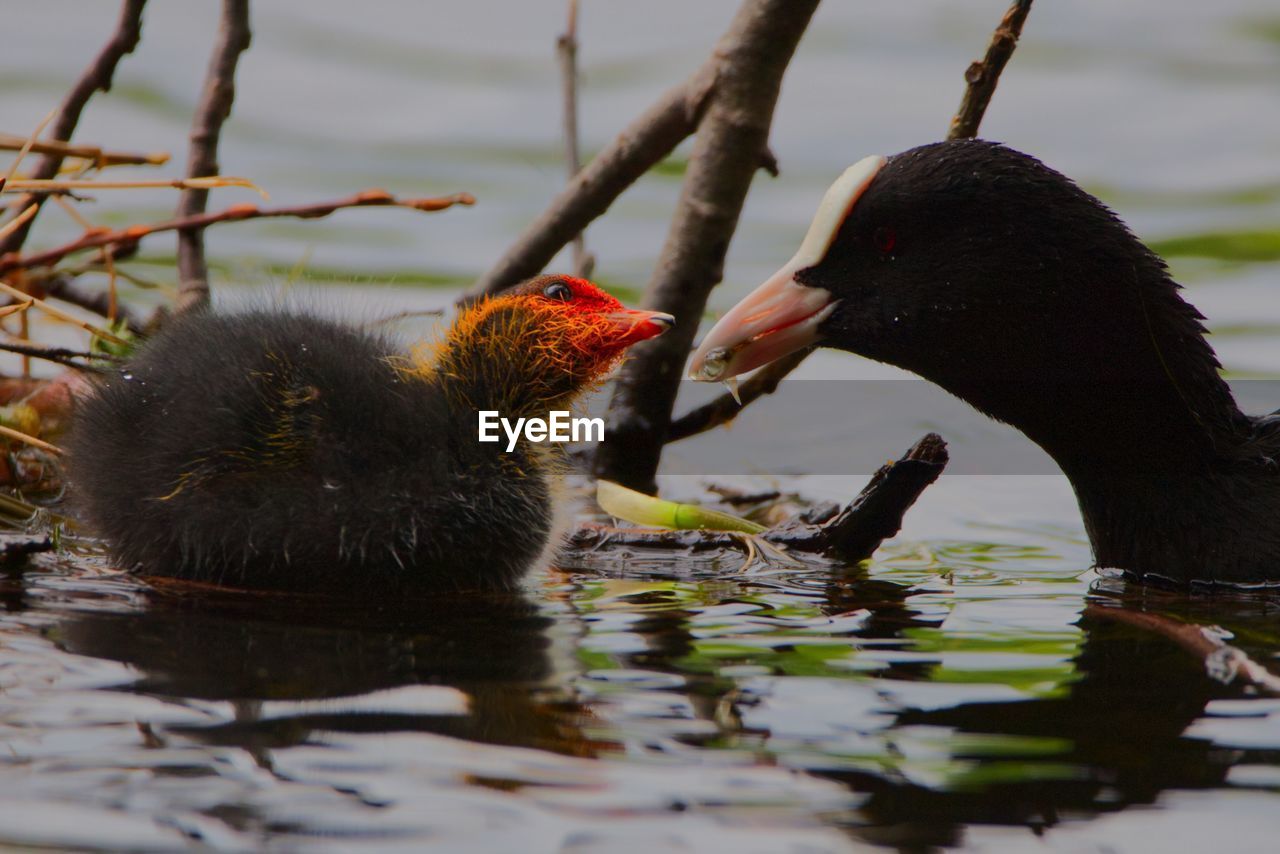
845 427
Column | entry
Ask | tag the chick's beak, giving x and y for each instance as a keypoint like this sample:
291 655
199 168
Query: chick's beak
782 315
633 325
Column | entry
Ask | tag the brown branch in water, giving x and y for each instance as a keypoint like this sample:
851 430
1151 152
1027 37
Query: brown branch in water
751 59
100 157
236 213
1222 661
640 146
725 408
983 75
567 52
850 536
982 78
202 158
96 77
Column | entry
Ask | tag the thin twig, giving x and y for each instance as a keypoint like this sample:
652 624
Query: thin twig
202 159
18 221
96 77
567 51
965 124
23 149
982 76
54 311
66 289
14 308
201 183
59 355
752 55
19 436
640 146
235 213
98 156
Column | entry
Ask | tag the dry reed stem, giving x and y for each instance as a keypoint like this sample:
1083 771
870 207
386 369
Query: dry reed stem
100 158
55 185
53 311
19 436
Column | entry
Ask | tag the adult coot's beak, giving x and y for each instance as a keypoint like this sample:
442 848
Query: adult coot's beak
782 315
633 324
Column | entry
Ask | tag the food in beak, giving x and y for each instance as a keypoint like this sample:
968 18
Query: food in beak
782 315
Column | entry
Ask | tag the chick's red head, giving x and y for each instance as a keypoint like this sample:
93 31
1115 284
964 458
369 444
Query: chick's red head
552 336
581 325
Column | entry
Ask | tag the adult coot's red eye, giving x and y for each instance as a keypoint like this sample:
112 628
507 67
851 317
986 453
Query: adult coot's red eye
884 239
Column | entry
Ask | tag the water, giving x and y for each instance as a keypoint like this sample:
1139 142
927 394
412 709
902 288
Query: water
955 693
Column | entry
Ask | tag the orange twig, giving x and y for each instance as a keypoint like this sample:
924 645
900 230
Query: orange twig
235 213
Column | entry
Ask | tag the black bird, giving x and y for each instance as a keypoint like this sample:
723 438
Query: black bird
280 450
988 273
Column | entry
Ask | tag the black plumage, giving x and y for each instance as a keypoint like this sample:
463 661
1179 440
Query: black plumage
983 270
282 450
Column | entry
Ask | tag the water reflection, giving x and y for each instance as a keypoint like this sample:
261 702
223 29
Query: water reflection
279 658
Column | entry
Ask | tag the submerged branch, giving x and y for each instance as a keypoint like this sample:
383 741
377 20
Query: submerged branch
850 536
1222 661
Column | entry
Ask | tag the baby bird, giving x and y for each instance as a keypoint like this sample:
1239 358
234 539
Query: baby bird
278 450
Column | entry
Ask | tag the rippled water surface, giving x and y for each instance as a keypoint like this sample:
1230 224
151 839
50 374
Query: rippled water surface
966 688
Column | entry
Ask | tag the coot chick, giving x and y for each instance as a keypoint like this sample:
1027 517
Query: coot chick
981 269
279 450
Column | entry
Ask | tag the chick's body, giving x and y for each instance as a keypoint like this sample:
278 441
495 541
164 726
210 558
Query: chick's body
281 450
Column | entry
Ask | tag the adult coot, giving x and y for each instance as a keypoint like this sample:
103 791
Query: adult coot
983 270
280 450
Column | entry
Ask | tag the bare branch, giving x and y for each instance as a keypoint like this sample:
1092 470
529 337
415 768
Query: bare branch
96 77
751 59
567 51
982 85
982 76
235 213
202 159
640 146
